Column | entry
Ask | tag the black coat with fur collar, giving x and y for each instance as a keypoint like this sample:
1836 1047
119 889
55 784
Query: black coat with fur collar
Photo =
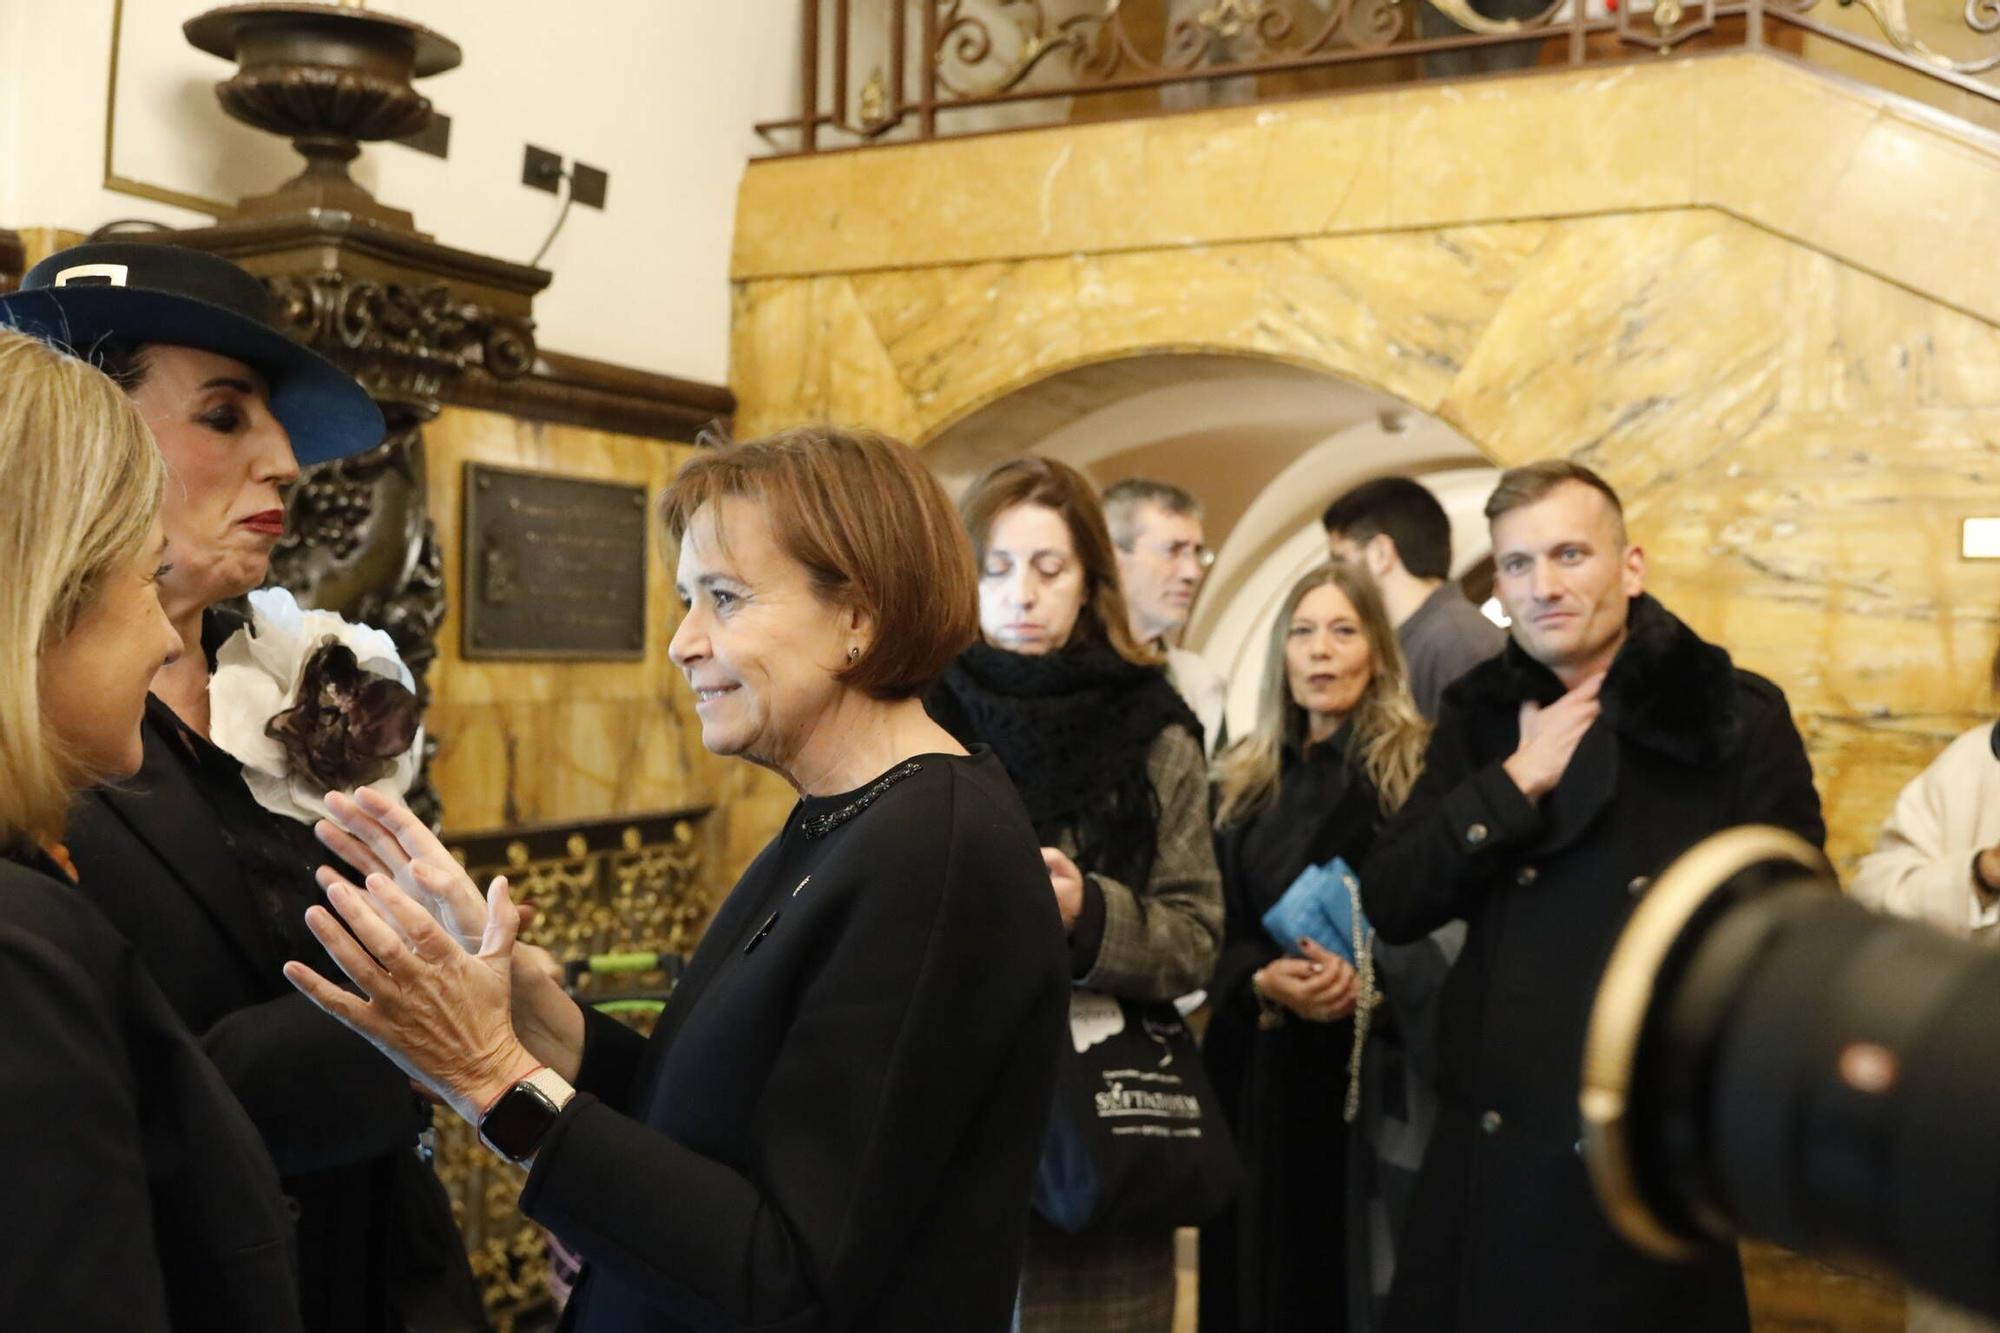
1504 1233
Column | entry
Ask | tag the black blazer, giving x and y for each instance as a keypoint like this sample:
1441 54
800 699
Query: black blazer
836 1123
339 1119
138 1196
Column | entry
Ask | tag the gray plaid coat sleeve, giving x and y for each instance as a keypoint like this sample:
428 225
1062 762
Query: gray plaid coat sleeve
1161 938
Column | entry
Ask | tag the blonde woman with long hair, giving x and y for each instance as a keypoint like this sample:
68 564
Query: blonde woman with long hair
141 1196
1337 746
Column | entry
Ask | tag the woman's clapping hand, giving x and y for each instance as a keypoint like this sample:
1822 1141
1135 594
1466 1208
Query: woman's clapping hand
380 836
442 1013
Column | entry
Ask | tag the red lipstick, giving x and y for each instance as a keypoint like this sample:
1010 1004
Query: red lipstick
271 522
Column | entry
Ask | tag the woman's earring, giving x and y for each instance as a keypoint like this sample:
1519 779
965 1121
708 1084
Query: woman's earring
853 654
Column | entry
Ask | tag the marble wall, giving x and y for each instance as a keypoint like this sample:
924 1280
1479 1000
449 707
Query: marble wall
1758 299
536 742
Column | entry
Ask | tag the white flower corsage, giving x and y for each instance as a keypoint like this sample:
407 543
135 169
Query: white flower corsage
310 703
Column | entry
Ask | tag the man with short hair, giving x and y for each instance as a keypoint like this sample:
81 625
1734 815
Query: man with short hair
1564 774
1162 560
1396 531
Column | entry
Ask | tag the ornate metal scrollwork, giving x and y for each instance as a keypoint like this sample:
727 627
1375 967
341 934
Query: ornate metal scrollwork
994 50
1893 17
406 343
990 49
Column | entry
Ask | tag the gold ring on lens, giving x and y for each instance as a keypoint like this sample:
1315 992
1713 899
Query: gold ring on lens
1626 995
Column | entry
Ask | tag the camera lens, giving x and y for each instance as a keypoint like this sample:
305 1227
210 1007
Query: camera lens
1768 1058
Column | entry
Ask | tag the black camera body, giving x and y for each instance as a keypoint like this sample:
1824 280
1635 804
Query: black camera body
1766 1057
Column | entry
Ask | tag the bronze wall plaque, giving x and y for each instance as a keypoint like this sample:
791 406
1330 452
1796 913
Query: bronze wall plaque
554 566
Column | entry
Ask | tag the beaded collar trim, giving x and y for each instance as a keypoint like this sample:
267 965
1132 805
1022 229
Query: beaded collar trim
821 825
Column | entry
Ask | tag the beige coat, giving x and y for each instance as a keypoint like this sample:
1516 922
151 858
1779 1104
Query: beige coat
1922 868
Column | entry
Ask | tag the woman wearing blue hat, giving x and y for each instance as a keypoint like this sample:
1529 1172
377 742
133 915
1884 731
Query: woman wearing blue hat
202 860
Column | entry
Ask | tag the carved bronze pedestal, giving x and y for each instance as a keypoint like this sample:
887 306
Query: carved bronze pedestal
327 79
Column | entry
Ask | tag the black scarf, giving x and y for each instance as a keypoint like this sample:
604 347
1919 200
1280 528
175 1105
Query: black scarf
1073 729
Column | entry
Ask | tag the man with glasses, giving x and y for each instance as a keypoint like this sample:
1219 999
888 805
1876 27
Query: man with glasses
1162 560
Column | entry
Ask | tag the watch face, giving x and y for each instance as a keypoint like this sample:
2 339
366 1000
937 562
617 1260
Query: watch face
516 1125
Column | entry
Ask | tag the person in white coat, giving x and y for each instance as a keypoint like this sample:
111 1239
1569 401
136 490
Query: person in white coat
1938 860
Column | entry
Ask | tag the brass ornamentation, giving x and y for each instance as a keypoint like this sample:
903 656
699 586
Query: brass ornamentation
1893 17
990 50
1227 18
874 100
622 886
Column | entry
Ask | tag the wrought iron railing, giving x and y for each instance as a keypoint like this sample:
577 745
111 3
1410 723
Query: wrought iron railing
875 71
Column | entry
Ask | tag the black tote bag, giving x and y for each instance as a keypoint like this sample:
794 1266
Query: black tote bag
1136 1141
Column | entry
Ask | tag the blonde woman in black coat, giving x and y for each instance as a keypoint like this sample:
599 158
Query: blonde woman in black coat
138 1195
1337 746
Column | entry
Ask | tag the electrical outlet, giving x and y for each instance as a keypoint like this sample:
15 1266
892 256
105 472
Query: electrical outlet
541 169
588 184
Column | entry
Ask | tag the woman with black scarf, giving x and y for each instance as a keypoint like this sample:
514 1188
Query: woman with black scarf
1109 762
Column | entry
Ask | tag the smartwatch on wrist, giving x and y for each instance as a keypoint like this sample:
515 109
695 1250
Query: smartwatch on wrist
520 1118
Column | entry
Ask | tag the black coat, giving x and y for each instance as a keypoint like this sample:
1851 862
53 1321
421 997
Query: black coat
835 1124
138 1196
1276 1261
215 916
1505 1233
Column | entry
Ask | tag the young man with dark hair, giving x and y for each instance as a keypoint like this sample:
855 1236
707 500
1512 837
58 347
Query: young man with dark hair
1564 774
1396 530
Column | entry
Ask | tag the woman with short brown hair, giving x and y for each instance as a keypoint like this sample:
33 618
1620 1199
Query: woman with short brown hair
836 1121
1109 762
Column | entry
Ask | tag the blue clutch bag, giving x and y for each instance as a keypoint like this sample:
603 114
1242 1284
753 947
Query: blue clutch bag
1323 905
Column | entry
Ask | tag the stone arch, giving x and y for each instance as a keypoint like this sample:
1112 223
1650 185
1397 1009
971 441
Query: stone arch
1265 443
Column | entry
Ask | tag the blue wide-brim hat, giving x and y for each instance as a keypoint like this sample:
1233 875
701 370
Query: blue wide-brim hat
139 292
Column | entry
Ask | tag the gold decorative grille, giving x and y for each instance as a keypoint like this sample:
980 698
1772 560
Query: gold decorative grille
626 886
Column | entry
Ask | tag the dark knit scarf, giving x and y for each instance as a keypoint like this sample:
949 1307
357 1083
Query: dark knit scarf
1073 729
